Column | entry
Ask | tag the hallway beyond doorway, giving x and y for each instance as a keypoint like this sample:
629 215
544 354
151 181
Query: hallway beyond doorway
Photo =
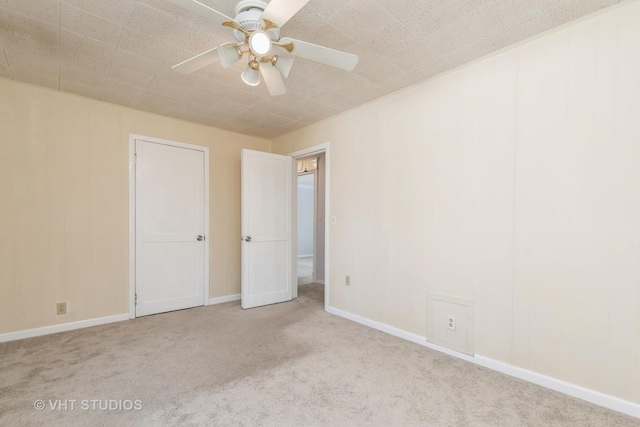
305 270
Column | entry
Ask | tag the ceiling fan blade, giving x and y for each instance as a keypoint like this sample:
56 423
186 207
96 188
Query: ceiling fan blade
203 10
197 62
324 55
280 11
284 65
273 79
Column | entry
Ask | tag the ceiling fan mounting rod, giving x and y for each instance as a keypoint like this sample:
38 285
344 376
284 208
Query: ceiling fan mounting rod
244 5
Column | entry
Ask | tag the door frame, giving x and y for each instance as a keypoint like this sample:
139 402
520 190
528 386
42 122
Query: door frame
132 213
316 149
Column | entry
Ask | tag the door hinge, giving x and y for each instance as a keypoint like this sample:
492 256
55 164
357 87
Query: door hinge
135 299
135 159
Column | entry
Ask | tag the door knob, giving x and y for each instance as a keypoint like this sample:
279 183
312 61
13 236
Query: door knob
247 239
200 238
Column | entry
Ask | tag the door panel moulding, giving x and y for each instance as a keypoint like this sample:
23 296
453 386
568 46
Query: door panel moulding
132 214
266 229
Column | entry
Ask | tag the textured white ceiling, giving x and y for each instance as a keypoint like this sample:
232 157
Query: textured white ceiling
121 51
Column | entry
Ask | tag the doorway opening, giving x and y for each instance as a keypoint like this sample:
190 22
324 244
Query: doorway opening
310 217
306 227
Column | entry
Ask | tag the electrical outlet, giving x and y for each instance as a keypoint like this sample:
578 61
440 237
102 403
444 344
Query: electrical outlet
347 280
61 308
451 322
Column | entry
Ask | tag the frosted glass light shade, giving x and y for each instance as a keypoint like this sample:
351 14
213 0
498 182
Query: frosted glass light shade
228 54
251 75
260 43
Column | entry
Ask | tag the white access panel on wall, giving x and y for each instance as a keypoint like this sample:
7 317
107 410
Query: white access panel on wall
170 224
450 322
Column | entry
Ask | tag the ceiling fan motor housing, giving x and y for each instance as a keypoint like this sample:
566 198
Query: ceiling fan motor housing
248 15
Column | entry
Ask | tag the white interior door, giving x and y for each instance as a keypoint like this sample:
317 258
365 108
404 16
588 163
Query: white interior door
266 229
170 227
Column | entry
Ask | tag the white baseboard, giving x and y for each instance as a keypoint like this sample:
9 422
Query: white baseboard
592 396
305 256
222 300
63 327
320 282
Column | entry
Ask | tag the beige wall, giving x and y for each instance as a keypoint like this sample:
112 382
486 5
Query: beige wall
64 203
514 182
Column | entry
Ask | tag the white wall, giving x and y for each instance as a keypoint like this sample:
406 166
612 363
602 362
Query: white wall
515 182
305 214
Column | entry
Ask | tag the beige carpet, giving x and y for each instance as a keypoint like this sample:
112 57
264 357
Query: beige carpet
289 364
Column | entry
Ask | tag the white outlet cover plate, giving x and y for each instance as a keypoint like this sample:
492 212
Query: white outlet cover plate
451 322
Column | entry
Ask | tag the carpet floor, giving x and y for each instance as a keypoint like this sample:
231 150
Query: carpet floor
288 364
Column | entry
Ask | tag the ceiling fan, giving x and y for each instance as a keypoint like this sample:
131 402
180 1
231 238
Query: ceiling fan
257 32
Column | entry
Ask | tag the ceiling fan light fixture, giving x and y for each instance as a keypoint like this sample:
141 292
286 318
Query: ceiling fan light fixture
251 76
229 54
257 30
260 43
